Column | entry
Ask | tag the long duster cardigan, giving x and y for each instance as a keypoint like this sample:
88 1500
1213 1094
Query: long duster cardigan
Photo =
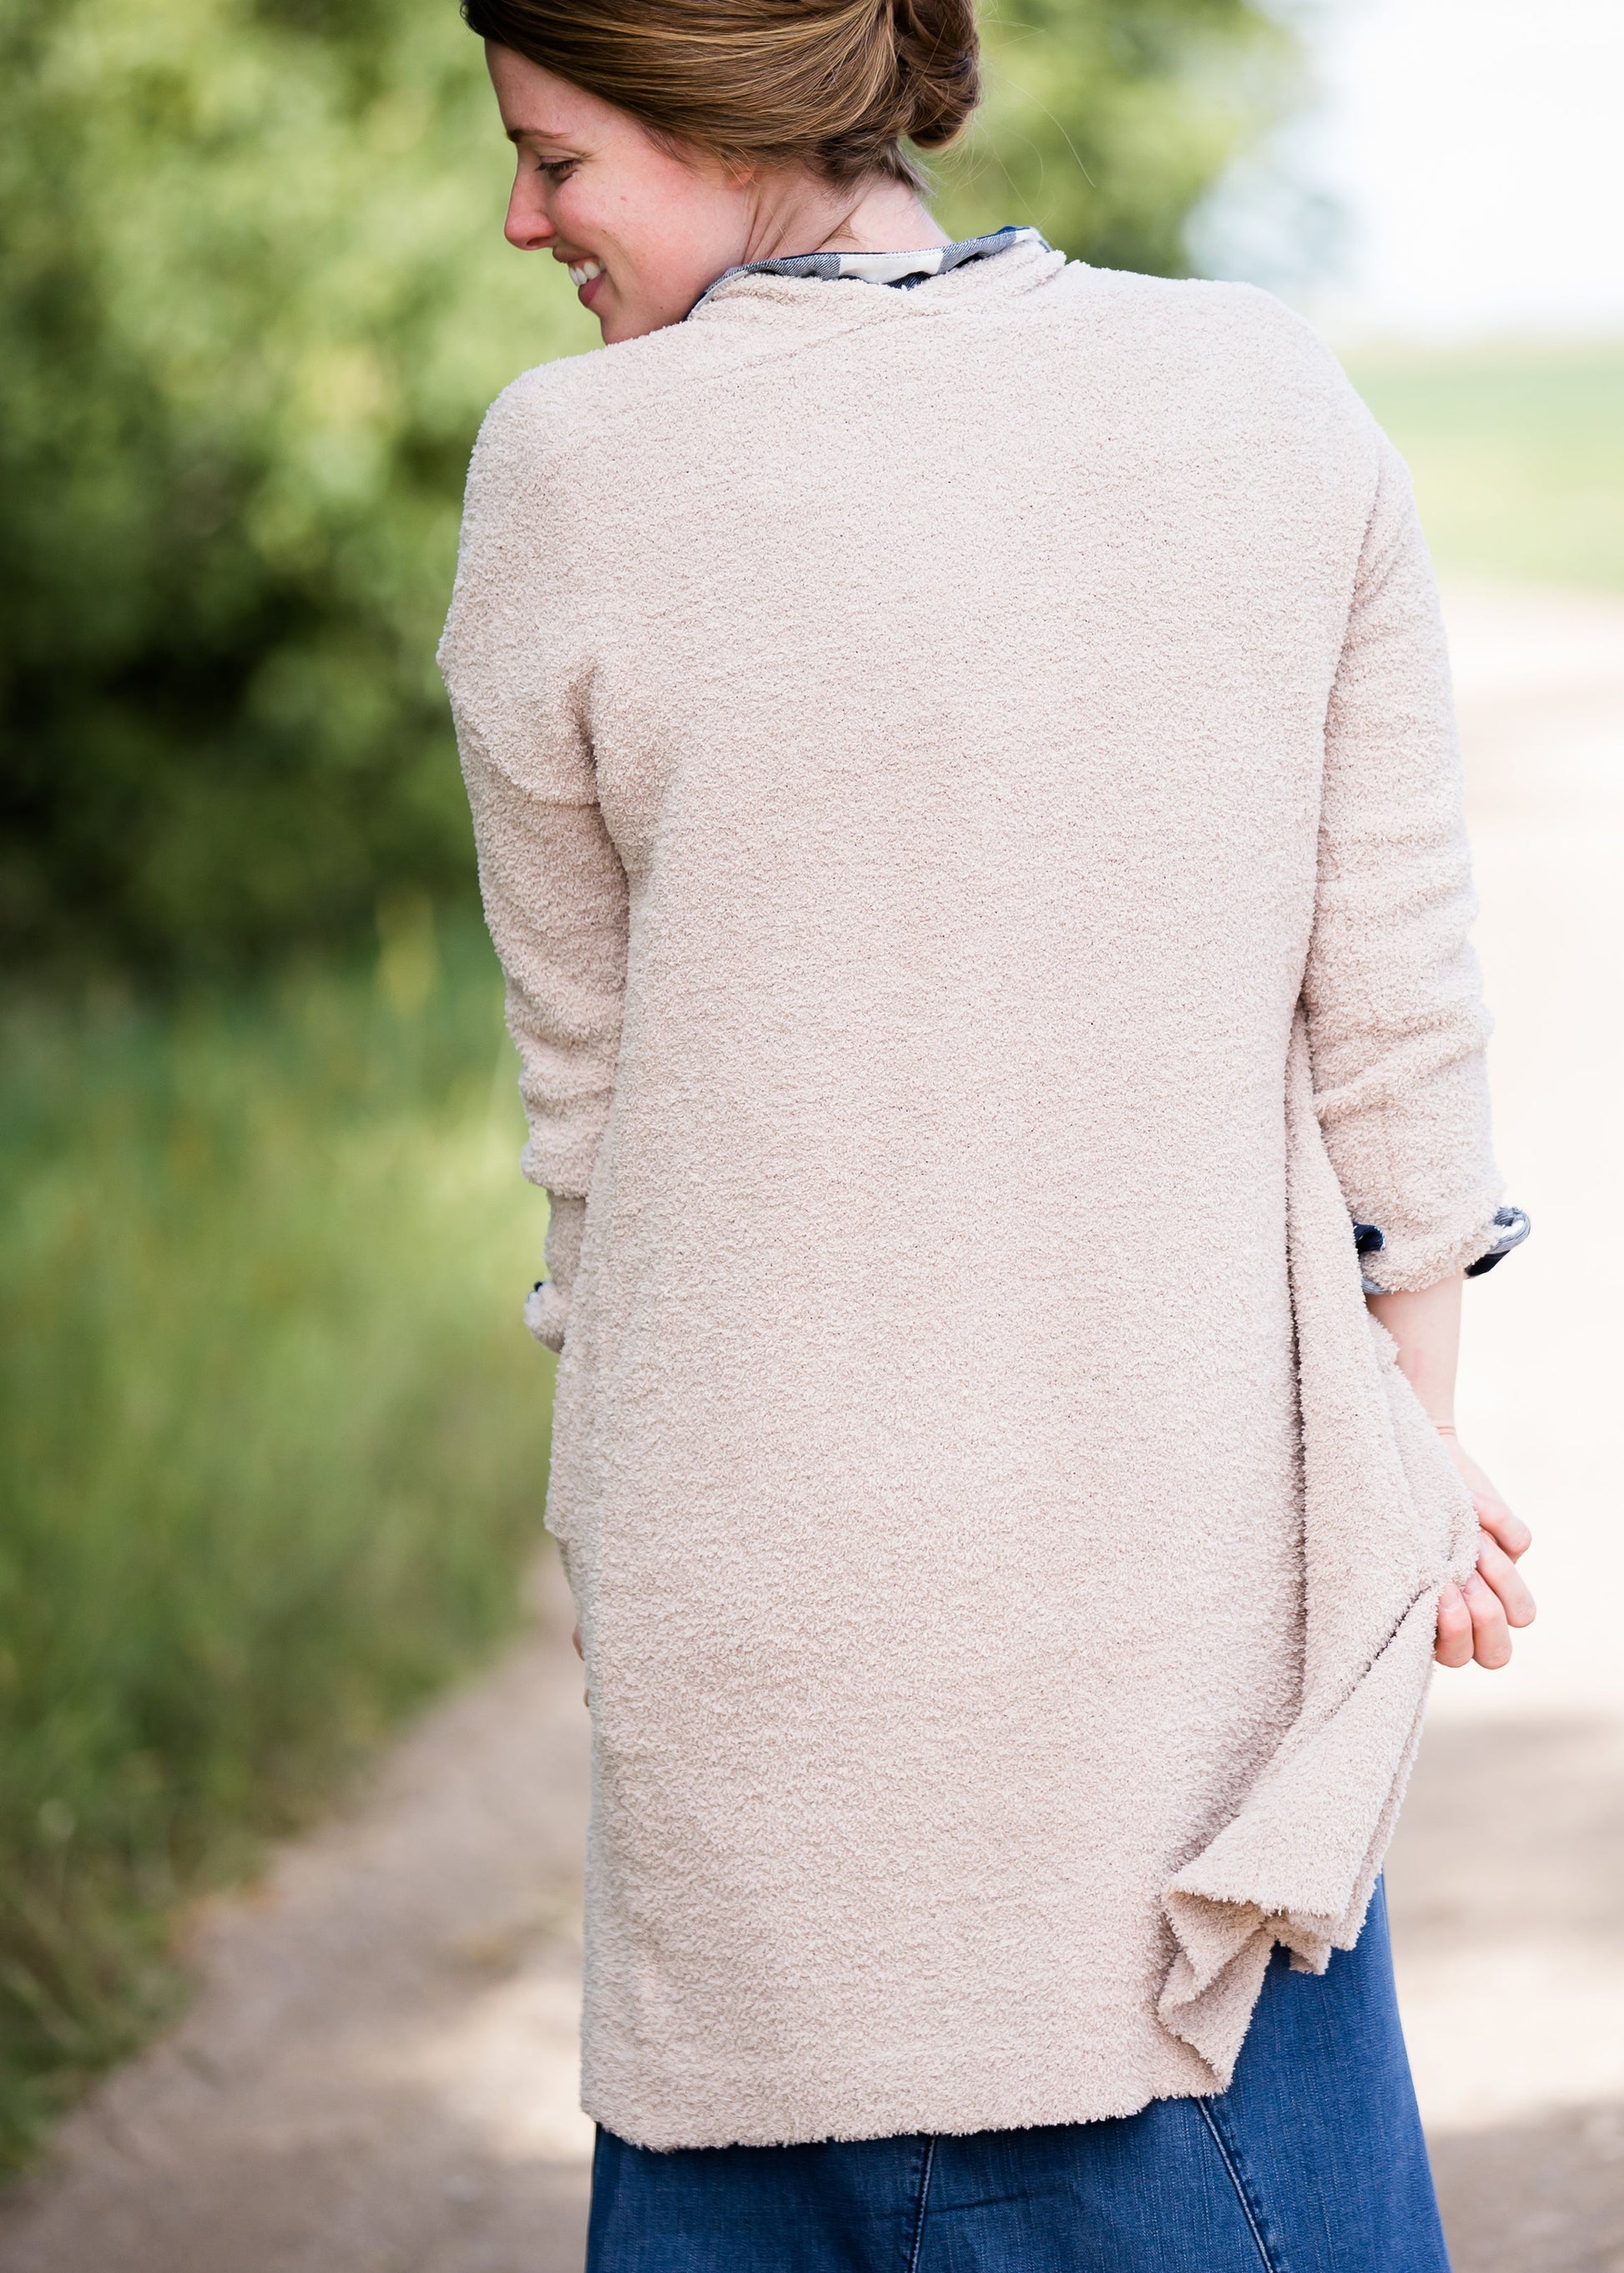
967 805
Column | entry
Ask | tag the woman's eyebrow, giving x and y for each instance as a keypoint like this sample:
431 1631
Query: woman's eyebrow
535 134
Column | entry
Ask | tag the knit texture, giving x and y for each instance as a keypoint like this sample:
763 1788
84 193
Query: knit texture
968 808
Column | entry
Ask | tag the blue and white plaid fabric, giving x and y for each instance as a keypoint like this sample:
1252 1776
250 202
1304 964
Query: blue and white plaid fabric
1512 1223
904 269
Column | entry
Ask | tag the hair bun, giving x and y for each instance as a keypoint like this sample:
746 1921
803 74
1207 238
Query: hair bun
939 68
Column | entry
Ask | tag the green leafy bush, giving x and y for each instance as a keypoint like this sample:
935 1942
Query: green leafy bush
1107 122
255 299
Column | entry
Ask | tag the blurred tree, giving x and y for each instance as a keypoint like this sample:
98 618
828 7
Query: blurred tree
1106 123
254 298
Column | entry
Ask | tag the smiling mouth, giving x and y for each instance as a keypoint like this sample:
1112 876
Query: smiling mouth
582 272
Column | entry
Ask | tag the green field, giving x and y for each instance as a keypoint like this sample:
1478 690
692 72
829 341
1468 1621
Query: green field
275 1438
1518 456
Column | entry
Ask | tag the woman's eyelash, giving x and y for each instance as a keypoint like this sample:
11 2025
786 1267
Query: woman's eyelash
559 169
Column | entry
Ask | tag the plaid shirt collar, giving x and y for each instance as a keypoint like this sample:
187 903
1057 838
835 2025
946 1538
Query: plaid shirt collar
903 270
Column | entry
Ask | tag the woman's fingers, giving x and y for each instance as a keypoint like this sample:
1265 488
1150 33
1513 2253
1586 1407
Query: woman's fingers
1491 1637
1508 1531
1455 1629
1501 1573
1492 1512
1475 1621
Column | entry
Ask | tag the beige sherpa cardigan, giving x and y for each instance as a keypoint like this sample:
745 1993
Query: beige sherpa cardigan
967 804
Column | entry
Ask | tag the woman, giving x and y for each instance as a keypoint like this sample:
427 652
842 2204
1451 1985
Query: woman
966 803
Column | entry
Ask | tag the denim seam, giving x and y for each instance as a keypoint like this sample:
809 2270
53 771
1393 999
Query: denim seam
1211 2122
919 2213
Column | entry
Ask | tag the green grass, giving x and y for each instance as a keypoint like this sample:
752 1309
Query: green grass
277 1443
1518 453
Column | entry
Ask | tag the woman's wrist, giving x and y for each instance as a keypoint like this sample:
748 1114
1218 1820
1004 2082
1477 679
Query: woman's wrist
1426 1322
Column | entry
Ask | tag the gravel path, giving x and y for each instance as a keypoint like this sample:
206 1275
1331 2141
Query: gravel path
378 2074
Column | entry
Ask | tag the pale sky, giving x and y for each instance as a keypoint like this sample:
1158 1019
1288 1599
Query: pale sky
1476 148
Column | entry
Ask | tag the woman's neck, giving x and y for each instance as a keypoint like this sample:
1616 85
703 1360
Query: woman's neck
798 212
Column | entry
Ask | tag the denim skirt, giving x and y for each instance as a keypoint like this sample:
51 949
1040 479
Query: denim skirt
1312 2162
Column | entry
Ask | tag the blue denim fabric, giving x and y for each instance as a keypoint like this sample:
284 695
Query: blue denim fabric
1312 2162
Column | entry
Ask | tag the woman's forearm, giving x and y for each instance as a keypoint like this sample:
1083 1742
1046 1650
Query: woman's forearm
1427 1326
1473 1620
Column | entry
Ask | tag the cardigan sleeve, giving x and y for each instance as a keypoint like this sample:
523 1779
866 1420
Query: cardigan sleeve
553 883
1397 1025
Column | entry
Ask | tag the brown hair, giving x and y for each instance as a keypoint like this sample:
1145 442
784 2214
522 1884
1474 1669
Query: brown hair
836 84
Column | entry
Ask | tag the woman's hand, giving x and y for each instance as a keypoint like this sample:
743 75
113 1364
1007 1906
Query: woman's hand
1475 1621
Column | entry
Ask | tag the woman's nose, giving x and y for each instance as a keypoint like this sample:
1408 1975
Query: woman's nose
527 225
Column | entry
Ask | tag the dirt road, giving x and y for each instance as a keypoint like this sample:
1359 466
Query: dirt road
1509 1873
378 2076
